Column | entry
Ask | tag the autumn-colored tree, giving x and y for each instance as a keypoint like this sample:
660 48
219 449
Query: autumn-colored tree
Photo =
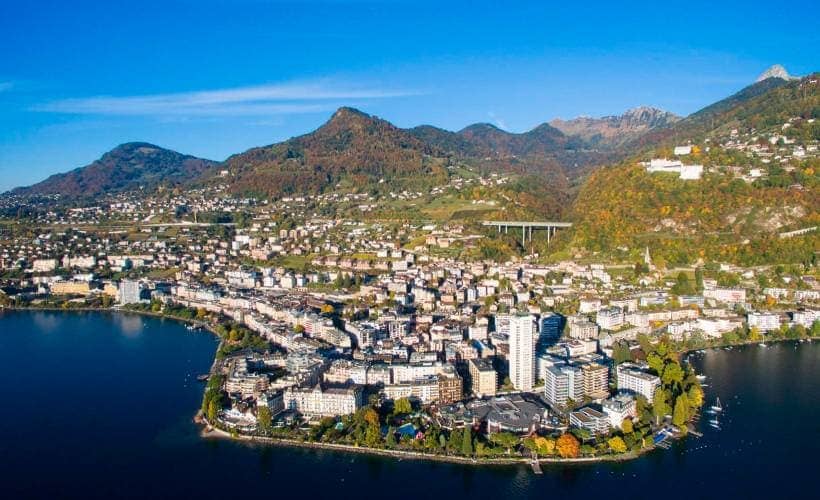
681 412
660 407
617 445
627 427
370 416
754 334
695 396
544 446
568 446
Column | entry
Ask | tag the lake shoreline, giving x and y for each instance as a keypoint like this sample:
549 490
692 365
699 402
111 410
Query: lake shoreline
208 431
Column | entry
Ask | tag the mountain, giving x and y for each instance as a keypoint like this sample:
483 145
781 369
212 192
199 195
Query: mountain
127 167
776 71
352 148
613 131
764 103
727 215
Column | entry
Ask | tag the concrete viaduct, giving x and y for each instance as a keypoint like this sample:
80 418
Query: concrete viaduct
527 227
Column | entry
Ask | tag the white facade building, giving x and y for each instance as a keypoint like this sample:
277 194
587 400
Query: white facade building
522 352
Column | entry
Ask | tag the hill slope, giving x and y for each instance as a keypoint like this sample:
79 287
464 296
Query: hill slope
129 166
352 148
764 103
730 214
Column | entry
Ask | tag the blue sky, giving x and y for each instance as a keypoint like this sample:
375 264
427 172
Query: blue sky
215 77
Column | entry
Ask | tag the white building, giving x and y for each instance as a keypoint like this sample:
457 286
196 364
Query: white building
805 318
522 352
620 407
590 419
763 321
129 292
633 379
562 383
610 318
315 402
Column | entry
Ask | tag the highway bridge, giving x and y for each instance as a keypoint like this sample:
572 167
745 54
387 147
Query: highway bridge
527 227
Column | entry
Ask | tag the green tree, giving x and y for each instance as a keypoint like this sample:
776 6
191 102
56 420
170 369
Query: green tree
402 406
372 436
263 416
390 439
682 285
505 440
621 353
467 442
660 407
213 411
672 374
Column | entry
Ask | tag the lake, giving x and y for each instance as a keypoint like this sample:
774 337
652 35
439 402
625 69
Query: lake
99 405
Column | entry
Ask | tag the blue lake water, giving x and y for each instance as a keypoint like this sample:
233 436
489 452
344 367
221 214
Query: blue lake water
98 405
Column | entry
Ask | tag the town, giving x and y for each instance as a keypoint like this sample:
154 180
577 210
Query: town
346 328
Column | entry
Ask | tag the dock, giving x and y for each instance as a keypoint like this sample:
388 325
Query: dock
536 467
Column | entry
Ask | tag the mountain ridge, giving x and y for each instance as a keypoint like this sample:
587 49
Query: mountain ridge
128 166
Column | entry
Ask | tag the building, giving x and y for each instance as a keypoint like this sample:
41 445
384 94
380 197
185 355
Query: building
727 295
562 383
423 389
590 419
130 292
522 352
483 377
763 321
317 402
620 407
633 379
70 288
516 413
44 265
596 380
551 327
274 401
583 329
805 318
450 388
610 318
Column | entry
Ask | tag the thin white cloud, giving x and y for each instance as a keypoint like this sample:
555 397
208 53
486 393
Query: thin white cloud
497 120
288 98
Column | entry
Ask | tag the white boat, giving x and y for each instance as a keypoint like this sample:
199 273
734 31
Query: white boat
717 407
762 344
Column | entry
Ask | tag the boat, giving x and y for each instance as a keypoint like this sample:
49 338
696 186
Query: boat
717 407
762 344
701 377
714 424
